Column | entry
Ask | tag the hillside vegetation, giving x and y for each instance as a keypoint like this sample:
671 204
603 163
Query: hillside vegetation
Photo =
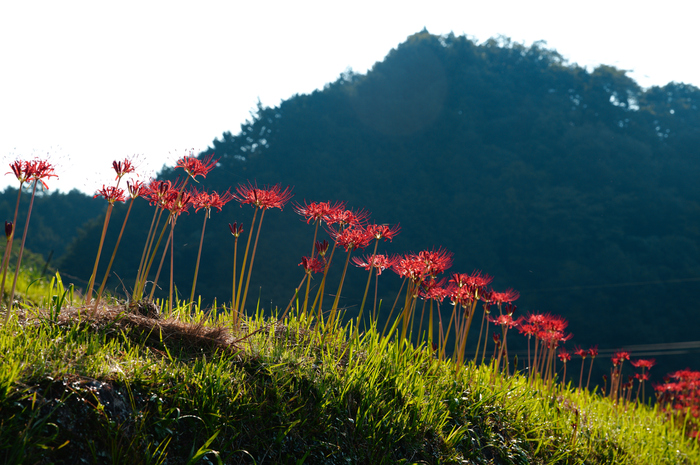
122 387
576 187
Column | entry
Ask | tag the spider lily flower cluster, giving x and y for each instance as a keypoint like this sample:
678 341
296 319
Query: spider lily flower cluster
679 398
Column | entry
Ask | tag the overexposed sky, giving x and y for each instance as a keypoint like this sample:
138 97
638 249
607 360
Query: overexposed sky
90 82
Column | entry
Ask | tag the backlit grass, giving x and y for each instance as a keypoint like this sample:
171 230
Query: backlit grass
120 387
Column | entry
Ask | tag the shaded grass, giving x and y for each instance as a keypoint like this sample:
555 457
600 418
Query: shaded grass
126 387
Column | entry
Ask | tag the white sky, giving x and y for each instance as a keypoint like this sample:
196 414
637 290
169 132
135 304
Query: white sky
90 82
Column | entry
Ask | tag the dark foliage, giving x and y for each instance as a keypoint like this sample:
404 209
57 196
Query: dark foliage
56 217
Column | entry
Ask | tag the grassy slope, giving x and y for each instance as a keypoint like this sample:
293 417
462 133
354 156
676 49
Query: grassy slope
120 387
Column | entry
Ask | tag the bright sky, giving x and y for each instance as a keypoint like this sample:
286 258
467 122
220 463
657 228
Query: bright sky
90 82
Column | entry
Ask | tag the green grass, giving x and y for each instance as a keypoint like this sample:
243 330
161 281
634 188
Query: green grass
120 387
33 281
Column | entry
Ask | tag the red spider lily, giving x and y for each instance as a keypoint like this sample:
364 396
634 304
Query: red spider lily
38 170
111 194
508 296
436 261
550 328
475 282
528 329
553 338
378 262
536 318
564 355
179 204
123 168
194 167
347 217
548 322
583 353
236 230
319 211
208 201
381 231
136 189
642 363
419 266
510 309
321 247
486 296
410 266
351 238
434 290
506 321
312 264
642 376
620 357
162 193
593 353
266 198
20 170
35 170
688 376
461 296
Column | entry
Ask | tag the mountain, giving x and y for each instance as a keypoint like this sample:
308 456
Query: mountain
578 188
55 221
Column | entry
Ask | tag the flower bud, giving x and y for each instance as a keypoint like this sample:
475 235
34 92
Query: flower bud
9 229
236 230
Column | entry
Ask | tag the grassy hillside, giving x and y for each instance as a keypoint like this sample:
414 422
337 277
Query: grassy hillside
118 386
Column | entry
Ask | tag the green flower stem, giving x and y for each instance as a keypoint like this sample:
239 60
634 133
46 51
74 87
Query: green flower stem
172 239
313 250
376 285
319 294
369 278
153 256
138 286
114 254
21 250
486 343
160 266
284 314
91 283
396 300
590 369
245 258
199 256
233 295
481 332
446 335
252 258
8 249
420 324
340 285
